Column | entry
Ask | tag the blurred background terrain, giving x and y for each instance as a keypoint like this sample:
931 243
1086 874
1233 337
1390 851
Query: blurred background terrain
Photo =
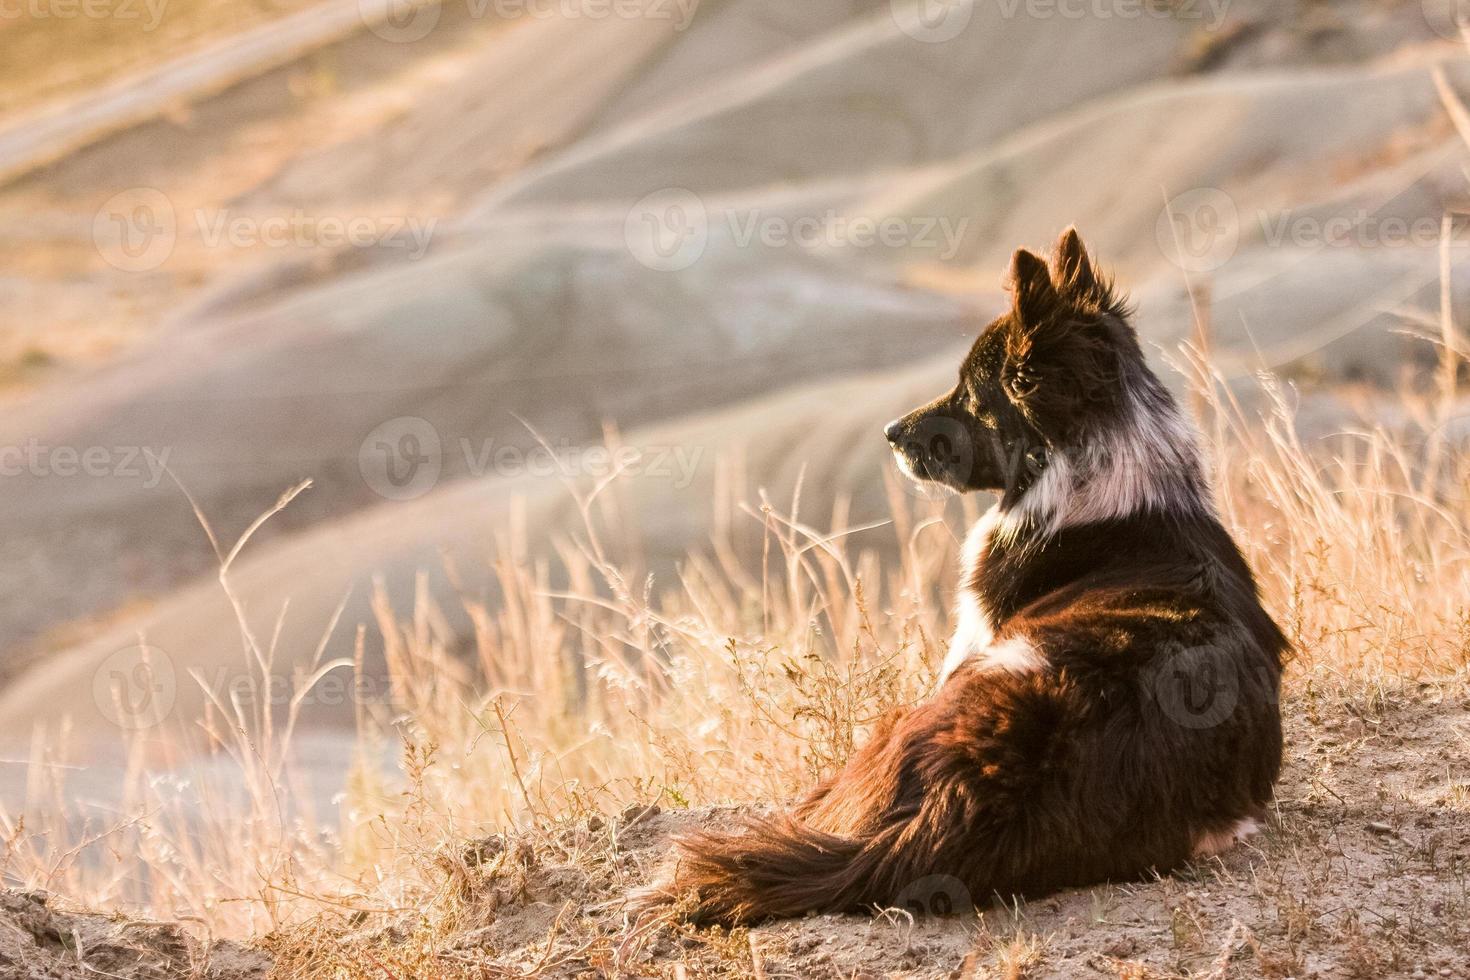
402 250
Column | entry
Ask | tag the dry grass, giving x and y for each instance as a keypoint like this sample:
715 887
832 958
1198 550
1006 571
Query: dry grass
576 705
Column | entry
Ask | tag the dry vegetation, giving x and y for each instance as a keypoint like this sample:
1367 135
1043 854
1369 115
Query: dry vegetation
596 712
510 790
589 720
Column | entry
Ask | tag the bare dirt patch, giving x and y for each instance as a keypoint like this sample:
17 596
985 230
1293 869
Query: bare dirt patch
41 942
1361 873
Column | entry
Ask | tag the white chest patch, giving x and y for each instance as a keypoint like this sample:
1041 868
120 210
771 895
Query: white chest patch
974 635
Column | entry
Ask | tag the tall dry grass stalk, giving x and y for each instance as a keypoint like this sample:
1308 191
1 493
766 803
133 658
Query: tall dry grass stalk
744 679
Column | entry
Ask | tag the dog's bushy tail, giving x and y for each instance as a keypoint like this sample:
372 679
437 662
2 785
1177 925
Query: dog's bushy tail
861 840
772 867
779 867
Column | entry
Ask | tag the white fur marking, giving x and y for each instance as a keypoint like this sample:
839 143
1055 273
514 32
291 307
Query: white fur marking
1149 463
1016 654
972 631
974 635
1213 842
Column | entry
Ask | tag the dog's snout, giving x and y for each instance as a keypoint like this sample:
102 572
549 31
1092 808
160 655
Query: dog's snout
894 431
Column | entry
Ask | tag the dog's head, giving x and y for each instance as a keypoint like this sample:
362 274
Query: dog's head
1037 381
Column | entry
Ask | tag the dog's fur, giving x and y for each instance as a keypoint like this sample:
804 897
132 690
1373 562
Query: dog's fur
1108 707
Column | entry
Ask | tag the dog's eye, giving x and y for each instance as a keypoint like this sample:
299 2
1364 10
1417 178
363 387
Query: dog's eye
1021 383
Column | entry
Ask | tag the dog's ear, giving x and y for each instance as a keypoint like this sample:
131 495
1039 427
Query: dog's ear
1079 283
1036 299
1059 355
1073 267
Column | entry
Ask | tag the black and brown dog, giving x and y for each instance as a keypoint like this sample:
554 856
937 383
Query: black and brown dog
1108 707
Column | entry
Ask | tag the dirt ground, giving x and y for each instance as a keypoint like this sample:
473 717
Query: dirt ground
1361 873
39 941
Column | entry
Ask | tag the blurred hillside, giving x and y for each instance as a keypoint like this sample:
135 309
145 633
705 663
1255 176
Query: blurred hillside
393 250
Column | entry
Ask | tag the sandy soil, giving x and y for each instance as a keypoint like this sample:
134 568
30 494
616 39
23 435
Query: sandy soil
40 940
1360 874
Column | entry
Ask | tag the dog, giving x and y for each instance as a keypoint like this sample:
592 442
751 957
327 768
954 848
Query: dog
1108 706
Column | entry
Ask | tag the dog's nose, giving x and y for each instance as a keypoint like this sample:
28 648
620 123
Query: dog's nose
893 430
